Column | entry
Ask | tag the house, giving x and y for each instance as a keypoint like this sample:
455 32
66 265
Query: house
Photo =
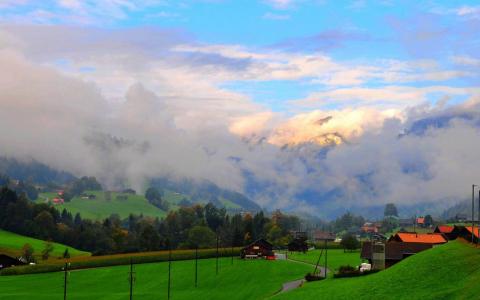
466 233
394 251
447 230
298 245
261 248
8 261
320 236
369 228
420 221
58 201
424 238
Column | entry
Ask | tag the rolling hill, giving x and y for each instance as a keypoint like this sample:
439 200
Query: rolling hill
11 243
450 271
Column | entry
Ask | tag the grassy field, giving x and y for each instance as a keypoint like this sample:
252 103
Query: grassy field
450 271
336 258
252 279
100 207
12 244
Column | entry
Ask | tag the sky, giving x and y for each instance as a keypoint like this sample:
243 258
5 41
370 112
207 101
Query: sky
297 103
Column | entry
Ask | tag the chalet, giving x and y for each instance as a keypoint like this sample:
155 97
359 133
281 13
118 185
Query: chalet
369 228
320 236
420 221
394 251
423 238
298 245
8 261
261 248
466 233
447 230
298 234
58 201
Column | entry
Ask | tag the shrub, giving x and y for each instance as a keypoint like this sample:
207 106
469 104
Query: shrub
349 271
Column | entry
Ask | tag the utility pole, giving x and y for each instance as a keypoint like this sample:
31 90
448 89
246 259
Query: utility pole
169 268
478 217
65 274
232 247
217 257
326 258
473 209
131 278
196 266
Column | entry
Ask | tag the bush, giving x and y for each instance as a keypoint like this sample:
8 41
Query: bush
349 271
313 277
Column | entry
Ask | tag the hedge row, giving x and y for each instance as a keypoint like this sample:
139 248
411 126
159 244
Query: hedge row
118 259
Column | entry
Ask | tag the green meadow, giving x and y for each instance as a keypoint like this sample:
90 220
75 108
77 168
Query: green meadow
450 271
244 279
335 258
102 207
12 244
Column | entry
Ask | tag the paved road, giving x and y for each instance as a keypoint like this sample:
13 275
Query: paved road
287 286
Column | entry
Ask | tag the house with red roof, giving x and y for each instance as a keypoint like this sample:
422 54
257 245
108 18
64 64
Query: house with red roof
421 221
447 230
466 232
424 238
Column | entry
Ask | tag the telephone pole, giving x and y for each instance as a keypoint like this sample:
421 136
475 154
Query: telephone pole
217 257
473 210
169 268
65 274
131 278
196 266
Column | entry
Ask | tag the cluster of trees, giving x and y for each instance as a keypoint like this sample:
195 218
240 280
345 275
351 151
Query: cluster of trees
188 227
154 196
78 186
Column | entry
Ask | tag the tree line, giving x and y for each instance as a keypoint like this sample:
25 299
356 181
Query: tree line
188 227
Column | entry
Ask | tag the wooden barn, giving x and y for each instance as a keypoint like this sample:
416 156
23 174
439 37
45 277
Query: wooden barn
261 248
298 245
448 231
394 251
8 261
424 238
466 232
320 236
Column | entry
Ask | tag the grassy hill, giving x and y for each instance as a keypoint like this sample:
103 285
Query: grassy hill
450 271
252 279
101 207
12 244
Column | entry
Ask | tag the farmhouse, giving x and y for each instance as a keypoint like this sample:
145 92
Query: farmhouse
320 236
466 233
261 248
8 261
447 230
298 244
394 251
369 228
424 238
420 221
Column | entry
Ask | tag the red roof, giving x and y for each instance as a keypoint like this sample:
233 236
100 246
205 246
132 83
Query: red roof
421 220
475 230
428 238
445 228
